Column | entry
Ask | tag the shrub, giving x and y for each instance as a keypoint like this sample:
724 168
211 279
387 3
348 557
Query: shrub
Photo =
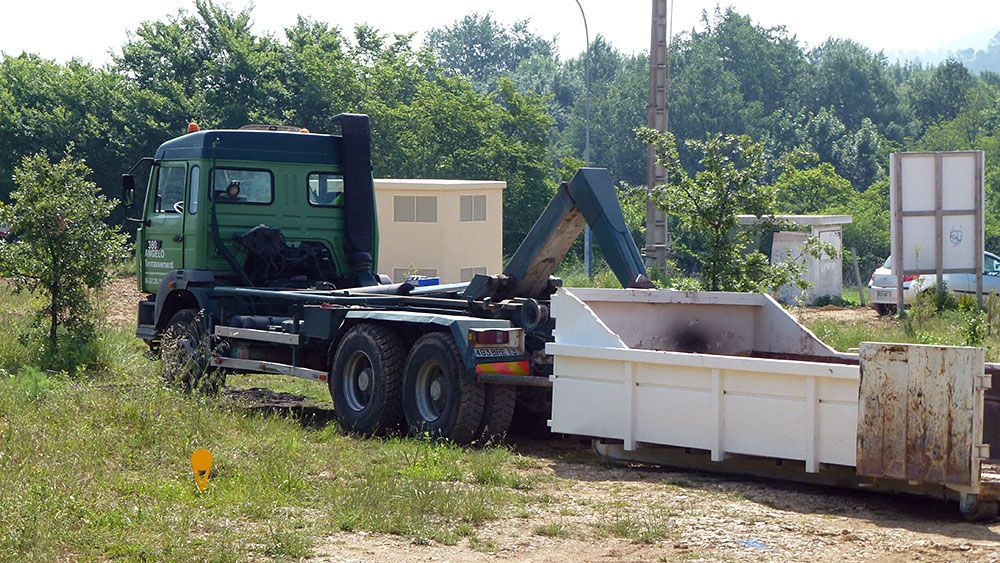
59 247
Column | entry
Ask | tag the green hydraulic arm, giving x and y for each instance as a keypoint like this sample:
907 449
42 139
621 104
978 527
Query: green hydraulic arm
589 198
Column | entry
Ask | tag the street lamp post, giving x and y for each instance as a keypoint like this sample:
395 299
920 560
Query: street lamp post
588 243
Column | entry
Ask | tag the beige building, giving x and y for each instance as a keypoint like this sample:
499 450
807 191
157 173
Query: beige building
452 229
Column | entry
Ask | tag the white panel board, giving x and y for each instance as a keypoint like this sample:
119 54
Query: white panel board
918 183
959 234
958 178
920 243
936 200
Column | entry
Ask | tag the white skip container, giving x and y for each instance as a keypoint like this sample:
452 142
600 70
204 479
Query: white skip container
732 382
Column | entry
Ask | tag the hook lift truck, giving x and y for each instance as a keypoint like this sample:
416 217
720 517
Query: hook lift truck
266 239
261 243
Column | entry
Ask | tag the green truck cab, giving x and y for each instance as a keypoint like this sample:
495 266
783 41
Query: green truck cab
260 207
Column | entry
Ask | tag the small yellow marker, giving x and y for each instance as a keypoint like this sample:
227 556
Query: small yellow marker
201 463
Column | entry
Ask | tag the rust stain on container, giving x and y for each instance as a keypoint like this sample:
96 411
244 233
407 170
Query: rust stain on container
917 413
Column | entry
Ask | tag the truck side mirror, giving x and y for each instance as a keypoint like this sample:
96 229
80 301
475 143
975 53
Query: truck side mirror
128 188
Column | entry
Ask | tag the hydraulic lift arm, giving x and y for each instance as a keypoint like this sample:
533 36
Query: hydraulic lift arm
589 198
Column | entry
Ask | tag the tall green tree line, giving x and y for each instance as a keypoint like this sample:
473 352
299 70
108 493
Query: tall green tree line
482 99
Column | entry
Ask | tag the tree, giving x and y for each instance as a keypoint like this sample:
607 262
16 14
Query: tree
855 83
209 65
824 132
862 155
768 62
729 181
483 50
812 190
868 231
705 97
619 86
46 105
939 97
59 247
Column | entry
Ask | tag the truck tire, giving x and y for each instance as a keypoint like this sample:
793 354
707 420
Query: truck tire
185 353
365 380
498 412
438 400
982 511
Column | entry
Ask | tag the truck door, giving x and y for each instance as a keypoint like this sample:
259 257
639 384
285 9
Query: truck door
164 231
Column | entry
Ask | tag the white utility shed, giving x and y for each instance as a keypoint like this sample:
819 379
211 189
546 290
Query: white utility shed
824 274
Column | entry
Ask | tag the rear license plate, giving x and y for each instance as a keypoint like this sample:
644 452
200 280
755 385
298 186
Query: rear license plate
885 295
496 352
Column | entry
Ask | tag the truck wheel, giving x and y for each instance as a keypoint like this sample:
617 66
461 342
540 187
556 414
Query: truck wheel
365 379
185 351
437 397
498 412
982 511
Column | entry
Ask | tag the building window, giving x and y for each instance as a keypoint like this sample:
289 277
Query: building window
468 273
414 209
399 275
473 207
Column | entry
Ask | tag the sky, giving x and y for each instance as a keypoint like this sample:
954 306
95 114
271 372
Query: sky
90 29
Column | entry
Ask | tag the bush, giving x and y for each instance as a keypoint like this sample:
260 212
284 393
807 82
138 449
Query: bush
975 327
59 248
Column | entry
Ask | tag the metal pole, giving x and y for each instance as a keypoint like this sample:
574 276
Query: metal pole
657 236
588 243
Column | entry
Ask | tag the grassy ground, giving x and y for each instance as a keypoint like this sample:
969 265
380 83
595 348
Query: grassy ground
95 469
97 465
843 335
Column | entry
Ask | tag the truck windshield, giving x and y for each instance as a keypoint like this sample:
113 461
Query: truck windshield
238 185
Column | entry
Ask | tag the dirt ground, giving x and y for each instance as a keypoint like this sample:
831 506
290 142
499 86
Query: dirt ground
707 517
670 514
836 314
119 300
666 514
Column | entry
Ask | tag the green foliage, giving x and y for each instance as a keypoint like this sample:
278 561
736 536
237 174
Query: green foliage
483 49
868 231
443 108
855 83
729 182
975 327
812 190
60 249
208 65
940 96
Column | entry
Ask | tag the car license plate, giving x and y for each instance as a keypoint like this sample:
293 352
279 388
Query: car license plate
885 295
492 352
